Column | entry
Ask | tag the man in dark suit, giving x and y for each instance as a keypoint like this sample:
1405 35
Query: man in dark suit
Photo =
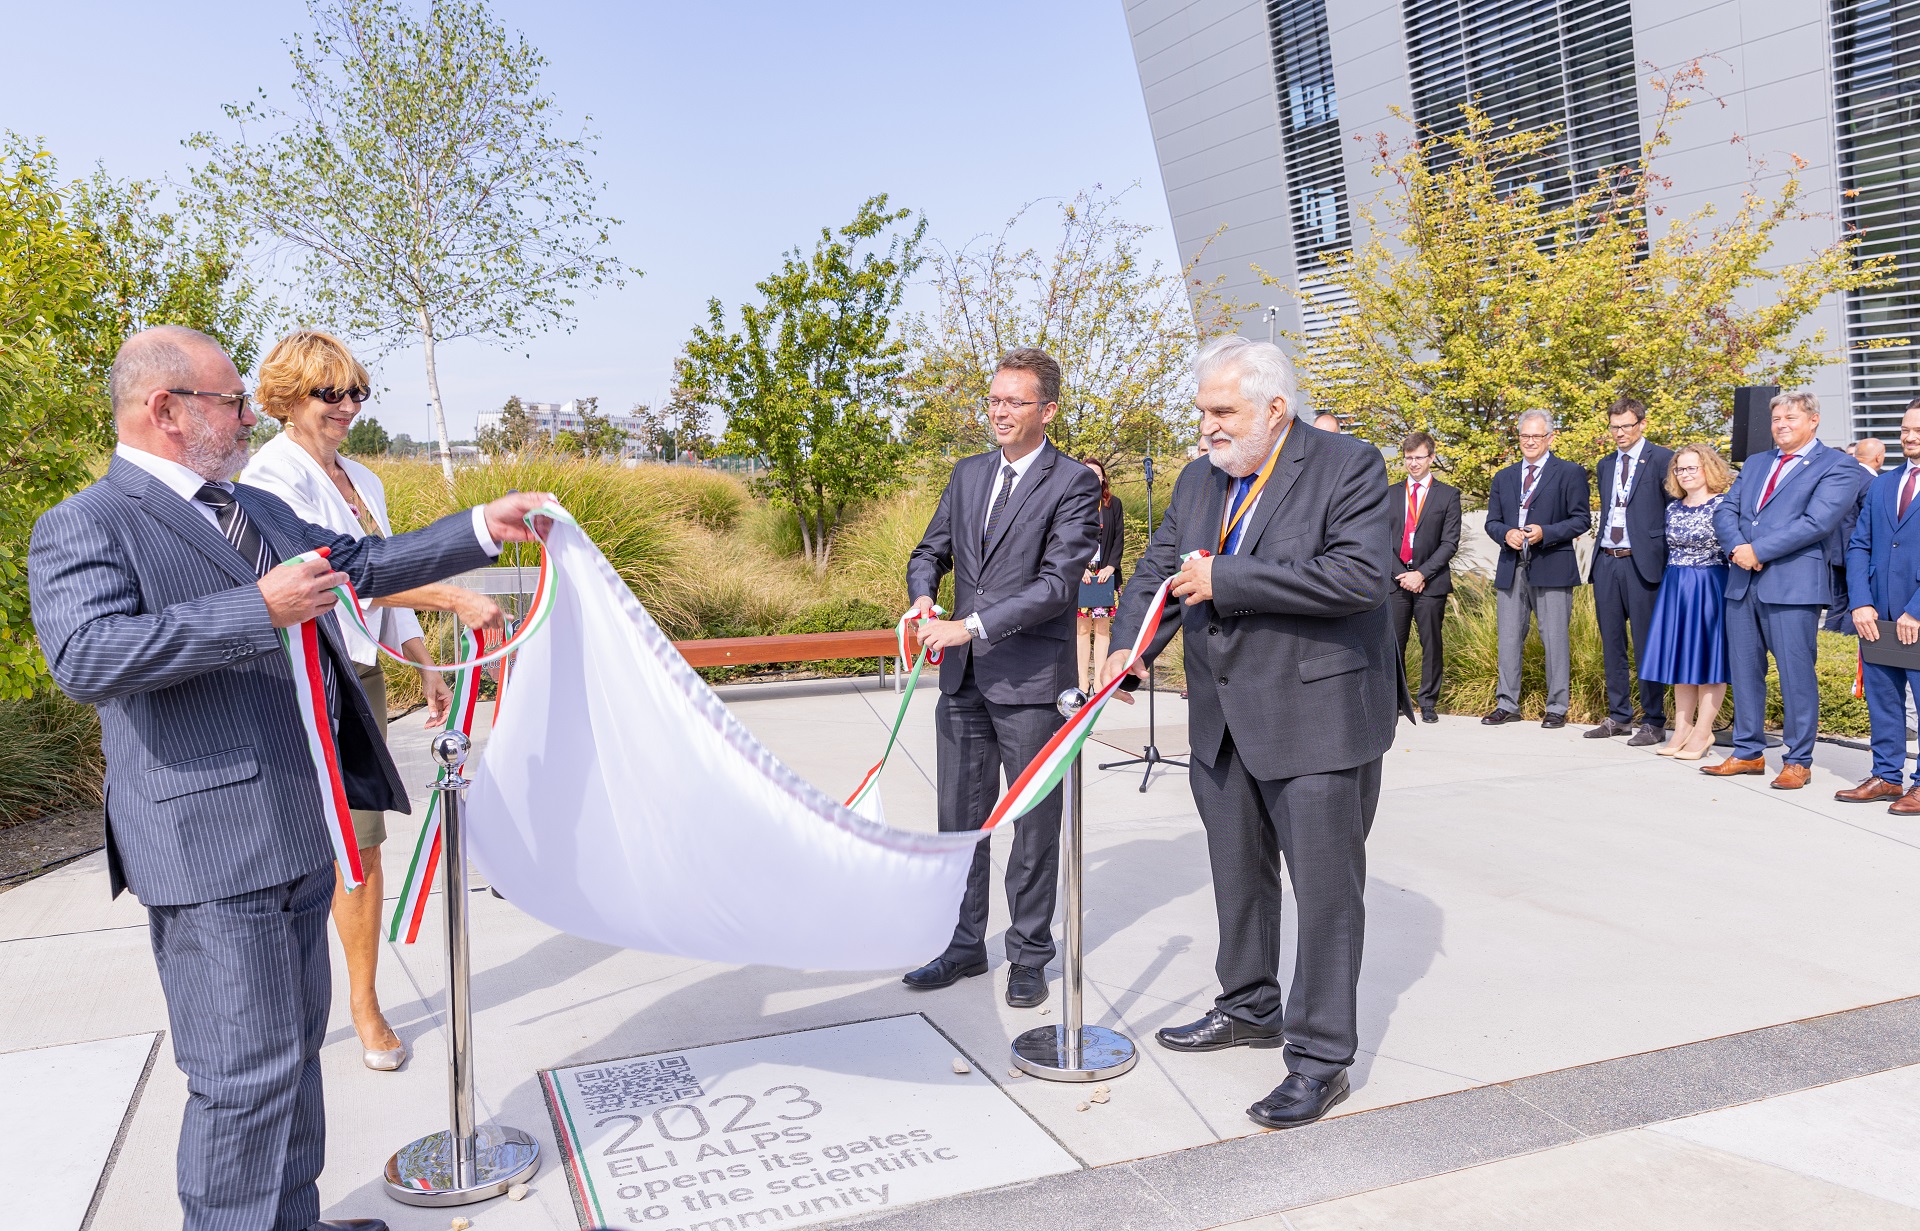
1015 527
157 600
1536 508
1294 690
1628 561
1883 573
1870 454
1776 526
1422 572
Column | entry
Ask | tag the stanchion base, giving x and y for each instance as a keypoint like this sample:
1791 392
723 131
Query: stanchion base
421 1173
1042 1052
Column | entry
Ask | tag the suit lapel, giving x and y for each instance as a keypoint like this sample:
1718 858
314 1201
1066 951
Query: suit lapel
161 503
1788 479
1286 472
1024 488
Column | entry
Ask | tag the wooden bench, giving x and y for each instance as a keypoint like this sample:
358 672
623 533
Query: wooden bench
878 643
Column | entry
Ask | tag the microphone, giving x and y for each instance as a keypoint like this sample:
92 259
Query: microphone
1146 467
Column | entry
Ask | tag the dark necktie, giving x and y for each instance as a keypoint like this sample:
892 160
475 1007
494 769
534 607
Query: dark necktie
999 506
1620 490
1526 488
1906 490
239 530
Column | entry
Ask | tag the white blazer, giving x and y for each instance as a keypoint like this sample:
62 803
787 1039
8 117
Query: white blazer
289 472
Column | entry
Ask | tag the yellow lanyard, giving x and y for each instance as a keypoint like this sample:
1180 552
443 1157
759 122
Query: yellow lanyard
1266 472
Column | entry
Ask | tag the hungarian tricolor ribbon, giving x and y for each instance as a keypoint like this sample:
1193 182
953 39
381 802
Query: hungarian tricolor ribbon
925 656
411 906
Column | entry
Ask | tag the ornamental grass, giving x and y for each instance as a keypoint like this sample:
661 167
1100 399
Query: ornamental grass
50 759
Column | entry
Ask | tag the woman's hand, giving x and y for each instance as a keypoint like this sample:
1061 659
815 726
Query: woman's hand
477 611
1104 574
1086 576
439 697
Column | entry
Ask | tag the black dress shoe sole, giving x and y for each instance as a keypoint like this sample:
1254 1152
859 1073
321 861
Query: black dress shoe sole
965 972
1264 1122
1267 1041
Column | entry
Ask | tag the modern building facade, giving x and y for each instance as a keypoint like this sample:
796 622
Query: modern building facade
552 418
1264 114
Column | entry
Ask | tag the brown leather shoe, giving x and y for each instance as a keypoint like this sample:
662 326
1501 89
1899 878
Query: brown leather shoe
1736 765
1868 791
1792 777
1908 804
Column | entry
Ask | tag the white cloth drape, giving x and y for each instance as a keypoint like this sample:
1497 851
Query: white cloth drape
619 800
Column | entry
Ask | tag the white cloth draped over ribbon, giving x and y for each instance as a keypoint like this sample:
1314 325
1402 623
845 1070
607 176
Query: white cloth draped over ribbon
619 800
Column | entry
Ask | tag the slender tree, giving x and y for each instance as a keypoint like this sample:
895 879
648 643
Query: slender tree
420 178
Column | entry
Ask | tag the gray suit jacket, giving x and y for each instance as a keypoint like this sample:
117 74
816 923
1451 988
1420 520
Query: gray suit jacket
1295 653
1026 582
147 613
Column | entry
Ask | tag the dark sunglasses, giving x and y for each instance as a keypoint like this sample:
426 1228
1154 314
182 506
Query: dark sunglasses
333 397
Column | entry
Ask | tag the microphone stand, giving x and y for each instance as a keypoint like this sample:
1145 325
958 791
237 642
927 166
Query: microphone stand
1150 755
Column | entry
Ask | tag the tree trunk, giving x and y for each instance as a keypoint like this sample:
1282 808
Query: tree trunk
433 392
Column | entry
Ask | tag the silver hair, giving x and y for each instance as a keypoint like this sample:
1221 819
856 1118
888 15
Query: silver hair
1803 398
1546 420
157 358
1264 371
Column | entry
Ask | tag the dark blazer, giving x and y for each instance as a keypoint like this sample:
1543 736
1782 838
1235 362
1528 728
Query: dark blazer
1436 537
147 613
1792 535
1646 508
1561 508
1025 586
1113 535
1837 545
1295 653
1883 557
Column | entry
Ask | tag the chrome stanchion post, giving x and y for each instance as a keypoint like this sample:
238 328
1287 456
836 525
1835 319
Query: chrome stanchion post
1073 1050
469 1162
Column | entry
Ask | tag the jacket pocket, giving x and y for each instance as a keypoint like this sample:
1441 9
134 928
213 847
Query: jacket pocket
1337 663
164 782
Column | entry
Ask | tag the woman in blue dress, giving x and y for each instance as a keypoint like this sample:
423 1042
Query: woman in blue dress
1686 644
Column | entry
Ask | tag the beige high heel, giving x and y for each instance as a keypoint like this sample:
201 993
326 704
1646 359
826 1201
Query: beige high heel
1673 746
1695 753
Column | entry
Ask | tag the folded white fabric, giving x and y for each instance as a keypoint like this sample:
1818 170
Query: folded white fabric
619 800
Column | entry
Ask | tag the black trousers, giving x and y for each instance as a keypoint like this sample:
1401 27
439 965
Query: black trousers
1429 612
979 738
1622 597
1319 822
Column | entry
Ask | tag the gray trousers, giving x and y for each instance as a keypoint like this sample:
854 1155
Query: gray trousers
1552 607
248 985
1320 823
977 739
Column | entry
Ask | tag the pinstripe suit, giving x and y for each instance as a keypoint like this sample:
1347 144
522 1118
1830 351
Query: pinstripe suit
214 821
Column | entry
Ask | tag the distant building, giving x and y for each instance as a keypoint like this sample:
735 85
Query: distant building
552 418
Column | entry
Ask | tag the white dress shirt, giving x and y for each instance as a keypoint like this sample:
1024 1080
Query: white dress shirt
1020 469
1617 511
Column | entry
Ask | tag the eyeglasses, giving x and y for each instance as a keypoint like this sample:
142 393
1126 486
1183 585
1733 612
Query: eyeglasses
1678 470
1536 436
240 401
1008 404
333 397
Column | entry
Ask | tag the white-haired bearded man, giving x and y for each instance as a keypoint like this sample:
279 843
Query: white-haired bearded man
1294 685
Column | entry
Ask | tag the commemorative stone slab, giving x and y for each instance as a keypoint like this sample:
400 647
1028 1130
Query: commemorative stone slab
789 1130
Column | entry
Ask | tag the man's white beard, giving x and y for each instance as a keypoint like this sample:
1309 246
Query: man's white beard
1244 454
213 453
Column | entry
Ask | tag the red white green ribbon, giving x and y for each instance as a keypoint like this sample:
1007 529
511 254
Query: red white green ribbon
872 780
411 906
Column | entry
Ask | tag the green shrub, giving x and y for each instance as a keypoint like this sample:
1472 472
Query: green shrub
714 500
50 759
870 558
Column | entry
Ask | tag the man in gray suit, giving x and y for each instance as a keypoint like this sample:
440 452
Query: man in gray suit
1294 683
1015 527
157 600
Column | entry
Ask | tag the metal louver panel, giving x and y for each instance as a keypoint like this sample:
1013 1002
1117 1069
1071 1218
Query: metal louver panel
1309 130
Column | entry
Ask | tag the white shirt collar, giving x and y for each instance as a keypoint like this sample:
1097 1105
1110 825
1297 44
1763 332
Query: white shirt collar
1634 452
1542 463
182 482
1805 451
1020 467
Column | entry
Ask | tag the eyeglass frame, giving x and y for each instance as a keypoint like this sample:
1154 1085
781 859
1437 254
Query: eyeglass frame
991 402
357 394
244 398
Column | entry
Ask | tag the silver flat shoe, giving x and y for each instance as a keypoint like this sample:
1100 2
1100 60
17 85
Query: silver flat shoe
385 1061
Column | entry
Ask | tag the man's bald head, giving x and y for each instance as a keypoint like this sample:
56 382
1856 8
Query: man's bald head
207 429
164 357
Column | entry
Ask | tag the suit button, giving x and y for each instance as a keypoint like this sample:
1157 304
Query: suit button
1223 681
1213 630
980 591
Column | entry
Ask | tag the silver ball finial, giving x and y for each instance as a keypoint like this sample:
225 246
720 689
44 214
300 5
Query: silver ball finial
1069 702
450 748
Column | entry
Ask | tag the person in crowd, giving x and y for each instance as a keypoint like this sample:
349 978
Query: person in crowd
1326 422
1422 572
1871 454
314 387
1628 560
1883 580
1776 526
1295 690
1685 643
157 600
1017 528
1536 508
1093 627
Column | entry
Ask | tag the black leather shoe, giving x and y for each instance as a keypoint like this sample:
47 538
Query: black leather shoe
1299 1100
1026 985
1608 728
349 1224
1553 722
1429 716
1496 717
1215 1032
942 972
1647 736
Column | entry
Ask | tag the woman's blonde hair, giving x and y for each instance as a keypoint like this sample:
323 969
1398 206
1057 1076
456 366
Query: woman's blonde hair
300 363
1713 468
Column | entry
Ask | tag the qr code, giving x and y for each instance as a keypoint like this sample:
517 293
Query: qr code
633 1084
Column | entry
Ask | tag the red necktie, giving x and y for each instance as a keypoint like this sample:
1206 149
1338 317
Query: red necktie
1906 489
1779 468
1413 517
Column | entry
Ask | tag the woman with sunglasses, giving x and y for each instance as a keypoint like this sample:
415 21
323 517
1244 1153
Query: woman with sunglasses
314 386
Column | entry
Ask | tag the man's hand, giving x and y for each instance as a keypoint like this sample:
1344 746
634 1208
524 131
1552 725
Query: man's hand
506 517
1411 581
296 593
944 634
477 612
1194 581
1115 664
439 698
1866 622
1744 557
922 606
1516 538
1907 629
1535 534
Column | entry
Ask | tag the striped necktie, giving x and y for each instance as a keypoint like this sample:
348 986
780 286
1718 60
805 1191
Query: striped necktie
1007 473
239 530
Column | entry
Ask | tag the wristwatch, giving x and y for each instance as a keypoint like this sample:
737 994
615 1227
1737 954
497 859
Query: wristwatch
975 627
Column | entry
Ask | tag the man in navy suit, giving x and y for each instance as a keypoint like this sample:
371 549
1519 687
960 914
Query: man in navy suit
1883 577
1776 526
1628 561
1870 453
1536 509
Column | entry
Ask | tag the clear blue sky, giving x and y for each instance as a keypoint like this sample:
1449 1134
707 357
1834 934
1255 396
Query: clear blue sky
729 133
